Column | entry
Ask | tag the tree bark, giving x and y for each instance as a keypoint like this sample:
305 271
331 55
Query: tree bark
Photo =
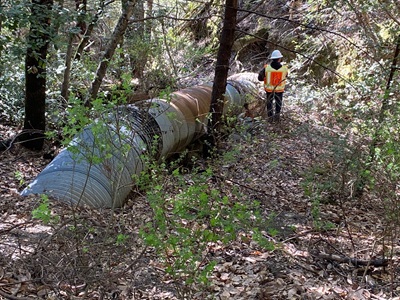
67 71
89 29
81 24
81 8
119 30
221 72
385 104
136 35
86 31
148 24
385 109
32 136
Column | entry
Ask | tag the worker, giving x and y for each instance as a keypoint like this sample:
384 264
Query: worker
274 77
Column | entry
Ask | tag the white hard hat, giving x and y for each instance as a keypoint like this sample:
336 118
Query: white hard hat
276 54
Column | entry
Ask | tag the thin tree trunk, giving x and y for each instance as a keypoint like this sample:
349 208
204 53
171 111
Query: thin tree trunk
1 27
89 30
81 7
385 104
362 20
35 75
67 71
221 71
385 108
136 33
1 19
119 30
171 59
148 24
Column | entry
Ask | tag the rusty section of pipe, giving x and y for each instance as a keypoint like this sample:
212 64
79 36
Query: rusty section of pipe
194 103
157 126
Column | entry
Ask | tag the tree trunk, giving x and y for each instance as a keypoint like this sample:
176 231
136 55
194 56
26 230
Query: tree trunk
385 104
67 71
385 109
136 35
1 27
81 24
81 8
32 136
148 24
119 30
221 72
1 19
89 30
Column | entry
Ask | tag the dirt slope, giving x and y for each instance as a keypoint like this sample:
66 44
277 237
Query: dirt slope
38 261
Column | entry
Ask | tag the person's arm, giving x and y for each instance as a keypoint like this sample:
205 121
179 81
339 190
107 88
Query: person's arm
261 75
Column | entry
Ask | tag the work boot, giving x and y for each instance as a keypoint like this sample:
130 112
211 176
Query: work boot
277 118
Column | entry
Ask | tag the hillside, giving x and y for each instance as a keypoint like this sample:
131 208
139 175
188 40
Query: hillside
307 208
341 258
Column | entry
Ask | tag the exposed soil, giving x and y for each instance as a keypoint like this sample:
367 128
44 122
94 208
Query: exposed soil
341 261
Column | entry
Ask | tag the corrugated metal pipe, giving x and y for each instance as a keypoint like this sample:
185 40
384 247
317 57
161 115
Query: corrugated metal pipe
99 166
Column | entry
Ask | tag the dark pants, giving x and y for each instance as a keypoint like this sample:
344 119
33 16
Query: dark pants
270 104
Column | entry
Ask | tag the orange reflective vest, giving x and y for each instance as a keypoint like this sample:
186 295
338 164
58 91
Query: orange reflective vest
275 80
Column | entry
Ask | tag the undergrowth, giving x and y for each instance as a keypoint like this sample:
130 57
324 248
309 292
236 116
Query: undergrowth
191 216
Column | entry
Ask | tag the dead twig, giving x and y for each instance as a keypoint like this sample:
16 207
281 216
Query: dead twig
8 230
11 297
354 261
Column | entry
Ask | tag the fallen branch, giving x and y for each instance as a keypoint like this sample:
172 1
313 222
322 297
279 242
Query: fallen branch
11 297
6 144
380 262
8 230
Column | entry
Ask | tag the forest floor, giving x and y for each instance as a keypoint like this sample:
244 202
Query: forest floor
326 250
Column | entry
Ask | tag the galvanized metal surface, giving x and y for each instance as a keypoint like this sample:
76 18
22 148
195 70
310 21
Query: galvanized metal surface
99 167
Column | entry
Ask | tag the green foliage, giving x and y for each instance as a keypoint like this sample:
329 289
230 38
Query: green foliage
11 87
43 212
384 171
121 239
159 81
20 177
336 174
360 151
102 136
190 218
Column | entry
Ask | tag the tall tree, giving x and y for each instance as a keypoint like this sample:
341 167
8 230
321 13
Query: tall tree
384 110
77 30
118 33
136 35
221 70
32 136
90 27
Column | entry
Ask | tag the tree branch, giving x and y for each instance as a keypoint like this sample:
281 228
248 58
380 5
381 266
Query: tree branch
11 297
